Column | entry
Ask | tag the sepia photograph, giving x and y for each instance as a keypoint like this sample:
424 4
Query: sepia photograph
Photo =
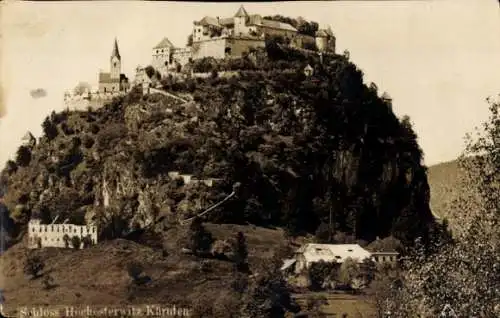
250 159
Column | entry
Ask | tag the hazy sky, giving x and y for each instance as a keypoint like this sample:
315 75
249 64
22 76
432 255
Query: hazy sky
438 60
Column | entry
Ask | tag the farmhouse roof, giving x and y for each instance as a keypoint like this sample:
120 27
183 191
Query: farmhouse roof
165 43
209 21
333 252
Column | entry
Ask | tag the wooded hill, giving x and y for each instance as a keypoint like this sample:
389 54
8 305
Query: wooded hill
304 148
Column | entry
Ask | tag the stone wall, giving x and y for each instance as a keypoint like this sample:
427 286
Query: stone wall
182 55
210 48
240 46
94 100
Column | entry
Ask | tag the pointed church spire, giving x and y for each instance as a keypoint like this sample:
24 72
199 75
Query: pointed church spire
115 50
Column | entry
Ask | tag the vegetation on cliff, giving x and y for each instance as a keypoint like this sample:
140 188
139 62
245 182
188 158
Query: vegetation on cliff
304 148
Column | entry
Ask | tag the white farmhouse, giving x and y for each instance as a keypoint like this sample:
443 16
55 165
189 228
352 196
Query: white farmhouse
338 253
53 235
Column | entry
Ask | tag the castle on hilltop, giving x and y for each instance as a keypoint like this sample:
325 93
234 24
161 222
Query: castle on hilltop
232 37
58 235
114 81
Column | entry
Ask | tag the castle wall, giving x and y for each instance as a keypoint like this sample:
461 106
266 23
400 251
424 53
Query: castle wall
52 235
300 40
109 87
325 44
272 31
160 57
96 100
322 43
182 55
210 48
241 46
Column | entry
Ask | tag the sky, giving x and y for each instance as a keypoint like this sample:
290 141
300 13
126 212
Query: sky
439 60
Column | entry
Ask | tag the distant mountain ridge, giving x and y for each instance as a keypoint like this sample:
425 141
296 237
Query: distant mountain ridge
444 179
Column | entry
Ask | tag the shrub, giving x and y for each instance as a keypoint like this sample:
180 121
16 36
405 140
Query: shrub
87 241
48 282
66 240
134 270
320 272
200 240
221 247
33 266
88 141
76 242
23 156
49 129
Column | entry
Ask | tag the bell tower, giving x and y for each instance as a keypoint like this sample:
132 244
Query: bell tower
116 61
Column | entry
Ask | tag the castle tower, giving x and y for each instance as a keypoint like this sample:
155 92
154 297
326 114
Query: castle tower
115 62
240 20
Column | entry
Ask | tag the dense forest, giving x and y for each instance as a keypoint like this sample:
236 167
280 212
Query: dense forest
308 151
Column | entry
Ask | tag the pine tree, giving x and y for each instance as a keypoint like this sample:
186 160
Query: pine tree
200 240
240 251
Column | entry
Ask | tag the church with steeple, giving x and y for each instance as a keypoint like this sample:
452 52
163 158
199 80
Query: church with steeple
114 81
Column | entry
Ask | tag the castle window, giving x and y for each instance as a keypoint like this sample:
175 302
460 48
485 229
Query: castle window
114 64
33 230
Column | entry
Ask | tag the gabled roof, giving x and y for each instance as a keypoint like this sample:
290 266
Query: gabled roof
116 52
241 12
256 19
209 21
226 21
165 43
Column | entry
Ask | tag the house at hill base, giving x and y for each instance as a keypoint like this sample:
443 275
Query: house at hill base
56 235
311 253
385 257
